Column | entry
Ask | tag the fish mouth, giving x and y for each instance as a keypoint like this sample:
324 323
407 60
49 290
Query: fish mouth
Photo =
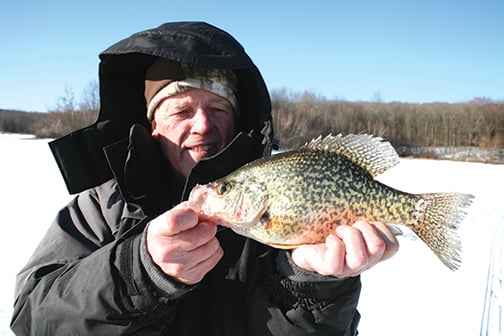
202 199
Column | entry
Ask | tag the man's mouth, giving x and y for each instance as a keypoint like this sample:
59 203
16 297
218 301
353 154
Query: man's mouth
202 148
200 151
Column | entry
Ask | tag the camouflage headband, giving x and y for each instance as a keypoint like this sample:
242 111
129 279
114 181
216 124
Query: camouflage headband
218 81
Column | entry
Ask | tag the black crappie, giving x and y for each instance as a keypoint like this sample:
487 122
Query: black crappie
299 197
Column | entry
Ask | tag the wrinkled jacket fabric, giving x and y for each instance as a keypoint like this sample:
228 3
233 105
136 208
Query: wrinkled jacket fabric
91 273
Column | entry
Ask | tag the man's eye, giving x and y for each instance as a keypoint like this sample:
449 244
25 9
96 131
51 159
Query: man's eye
181 114
220 109
216 110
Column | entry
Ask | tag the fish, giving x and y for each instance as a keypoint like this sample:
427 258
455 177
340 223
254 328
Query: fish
300 196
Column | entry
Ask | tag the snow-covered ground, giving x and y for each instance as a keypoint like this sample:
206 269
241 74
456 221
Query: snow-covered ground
31 192
411 294
414 293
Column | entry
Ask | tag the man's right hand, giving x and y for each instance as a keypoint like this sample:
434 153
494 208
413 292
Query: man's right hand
184 247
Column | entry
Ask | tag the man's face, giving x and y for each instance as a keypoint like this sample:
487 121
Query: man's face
192 125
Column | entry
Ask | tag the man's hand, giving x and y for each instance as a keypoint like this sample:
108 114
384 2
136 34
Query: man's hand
348 252
184 247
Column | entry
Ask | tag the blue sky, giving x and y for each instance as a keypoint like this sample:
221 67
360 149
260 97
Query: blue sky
409 51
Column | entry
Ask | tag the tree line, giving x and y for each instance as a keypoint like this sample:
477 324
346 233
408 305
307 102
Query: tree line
299 117
68 115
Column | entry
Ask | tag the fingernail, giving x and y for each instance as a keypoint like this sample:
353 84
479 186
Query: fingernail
340 230
331 239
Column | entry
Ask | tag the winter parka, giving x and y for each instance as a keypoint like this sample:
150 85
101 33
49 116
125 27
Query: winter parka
92 275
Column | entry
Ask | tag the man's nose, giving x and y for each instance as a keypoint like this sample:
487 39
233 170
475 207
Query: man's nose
201 121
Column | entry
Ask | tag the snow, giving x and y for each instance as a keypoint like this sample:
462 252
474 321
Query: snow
414 291
32 191
411 294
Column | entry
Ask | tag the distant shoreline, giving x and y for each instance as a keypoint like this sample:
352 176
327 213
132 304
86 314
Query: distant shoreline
464 154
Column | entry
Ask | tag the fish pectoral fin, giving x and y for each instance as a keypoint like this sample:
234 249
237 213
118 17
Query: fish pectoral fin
249 210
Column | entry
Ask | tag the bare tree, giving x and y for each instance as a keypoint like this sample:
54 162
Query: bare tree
66 103
90 98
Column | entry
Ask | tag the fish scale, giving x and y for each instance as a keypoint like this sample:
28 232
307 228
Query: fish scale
300 197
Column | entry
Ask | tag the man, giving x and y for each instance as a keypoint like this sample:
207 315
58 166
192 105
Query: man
128 256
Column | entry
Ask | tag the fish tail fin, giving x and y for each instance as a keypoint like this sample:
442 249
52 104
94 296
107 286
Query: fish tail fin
438 216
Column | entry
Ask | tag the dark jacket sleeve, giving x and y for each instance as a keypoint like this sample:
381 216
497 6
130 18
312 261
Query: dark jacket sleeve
83 279
291 301
90 277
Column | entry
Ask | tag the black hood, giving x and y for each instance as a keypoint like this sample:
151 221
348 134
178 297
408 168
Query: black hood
122 103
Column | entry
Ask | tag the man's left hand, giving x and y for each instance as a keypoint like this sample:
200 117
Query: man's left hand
349 251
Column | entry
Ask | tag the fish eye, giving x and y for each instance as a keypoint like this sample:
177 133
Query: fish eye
224 188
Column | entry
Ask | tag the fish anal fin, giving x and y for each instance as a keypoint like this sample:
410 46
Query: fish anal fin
283 246
396 231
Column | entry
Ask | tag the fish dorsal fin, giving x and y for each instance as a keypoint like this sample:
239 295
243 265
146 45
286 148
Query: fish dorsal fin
371 153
